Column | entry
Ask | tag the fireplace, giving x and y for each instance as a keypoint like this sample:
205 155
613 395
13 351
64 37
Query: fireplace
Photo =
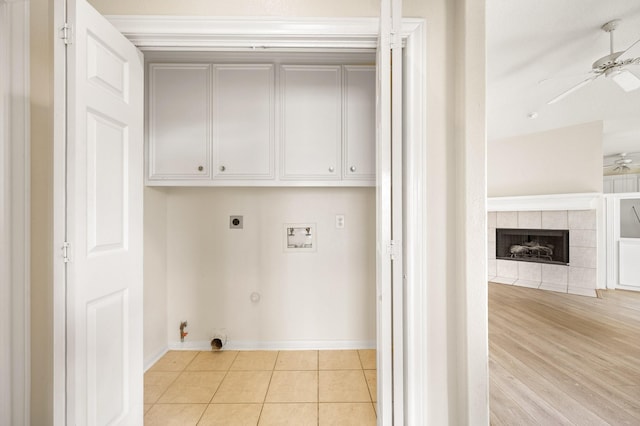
533 245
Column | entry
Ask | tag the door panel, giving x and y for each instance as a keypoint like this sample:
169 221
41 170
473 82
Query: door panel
104 222
311 130
389 201
243 121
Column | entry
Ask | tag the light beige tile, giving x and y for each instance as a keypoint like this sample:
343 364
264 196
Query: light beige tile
503 280
372 382
174 361
507 220
243 387
559 288
231 415
147 407
254 360
293 386
555 274
289 414
174 414
346 414
156 383
297 360
193 387
527 283
213 361
583 238
582 219
584 257
368 358
583 278
555 220
491 219
343 386
507 269
339 360
491 250
529 271
582 291
529 220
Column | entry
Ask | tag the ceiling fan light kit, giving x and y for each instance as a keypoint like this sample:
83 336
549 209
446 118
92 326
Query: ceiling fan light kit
614 66
622 163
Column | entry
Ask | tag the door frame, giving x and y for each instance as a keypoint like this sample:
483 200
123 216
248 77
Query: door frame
197 33
248 33
15 217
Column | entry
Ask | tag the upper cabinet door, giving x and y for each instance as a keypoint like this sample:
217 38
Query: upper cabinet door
179 121
359 124
243 121
311 122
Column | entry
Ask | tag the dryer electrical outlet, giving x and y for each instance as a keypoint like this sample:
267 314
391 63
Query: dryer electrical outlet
235 222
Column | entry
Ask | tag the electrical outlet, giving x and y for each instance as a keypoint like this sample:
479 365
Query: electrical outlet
339 221
235 222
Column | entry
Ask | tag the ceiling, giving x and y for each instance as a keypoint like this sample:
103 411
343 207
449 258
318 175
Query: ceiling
538 49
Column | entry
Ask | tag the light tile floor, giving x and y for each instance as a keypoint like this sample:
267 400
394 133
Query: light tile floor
262 388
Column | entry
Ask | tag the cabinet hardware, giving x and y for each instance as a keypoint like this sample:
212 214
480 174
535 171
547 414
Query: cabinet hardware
200 168
331 169
223 168
352 168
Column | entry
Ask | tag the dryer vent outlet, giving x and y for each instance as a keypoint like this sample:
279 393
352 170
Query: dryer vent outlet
216 344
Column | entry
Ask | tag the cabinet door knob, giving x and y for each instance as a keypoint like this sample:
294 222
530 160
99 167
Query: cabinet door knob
331 169
223 168
200 168
352 168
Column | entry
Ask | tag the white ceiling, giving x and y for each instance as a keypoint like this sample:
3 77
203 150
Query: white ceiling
538 49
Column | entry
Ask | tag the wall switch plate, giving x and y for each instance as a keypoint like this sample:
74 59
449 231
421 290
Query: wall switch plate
235 222
339 221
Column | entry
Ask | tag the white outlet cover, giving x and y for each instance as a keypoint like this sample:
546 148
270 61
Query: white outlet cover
339 221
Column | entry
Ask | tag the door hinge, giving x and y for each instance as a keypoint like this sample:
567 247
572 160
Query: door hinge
393 249
66 252
65 33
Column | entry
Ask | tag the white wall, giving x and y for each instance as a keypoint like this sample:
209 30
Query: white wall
155 273
319 298
560 161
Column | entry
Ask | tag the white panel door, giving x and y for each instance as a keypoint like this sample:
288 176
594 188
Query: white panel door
243 121
179 121
104 222
359 122
389 276
311 131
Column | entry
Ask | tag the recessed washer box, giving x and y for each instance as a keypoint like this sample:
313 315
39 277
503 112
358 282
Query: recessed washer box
300 237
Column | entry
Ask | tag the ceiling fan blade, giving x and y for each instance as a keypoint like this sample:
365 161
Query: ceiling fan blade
571 90
626 80
632 51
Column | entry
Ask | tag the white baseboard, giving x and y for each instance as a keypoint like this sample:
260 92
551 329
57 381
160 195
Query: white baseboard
148 363
246 345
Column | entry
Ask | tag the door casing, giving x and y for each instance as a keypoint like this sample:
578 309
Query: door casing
177 34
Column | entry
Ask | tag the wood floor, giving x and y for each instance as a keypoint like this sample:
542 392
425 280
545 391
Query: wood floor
563 359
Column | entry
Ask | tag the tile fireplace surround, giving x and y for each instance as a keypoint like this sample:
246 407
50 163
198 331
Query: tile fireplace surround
579 277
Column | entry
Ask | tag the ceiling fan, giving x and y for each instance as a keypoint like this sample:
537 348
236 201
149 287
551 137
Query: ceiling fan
614 65
622 164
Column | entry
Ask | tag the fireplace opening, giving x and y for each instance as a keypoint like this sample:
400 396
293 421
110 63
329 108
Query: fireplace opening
533 245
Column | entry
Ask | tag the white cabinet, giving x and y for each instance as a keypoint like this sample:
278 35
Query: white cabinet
311 117
267 124
359 122
179 128
243 121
